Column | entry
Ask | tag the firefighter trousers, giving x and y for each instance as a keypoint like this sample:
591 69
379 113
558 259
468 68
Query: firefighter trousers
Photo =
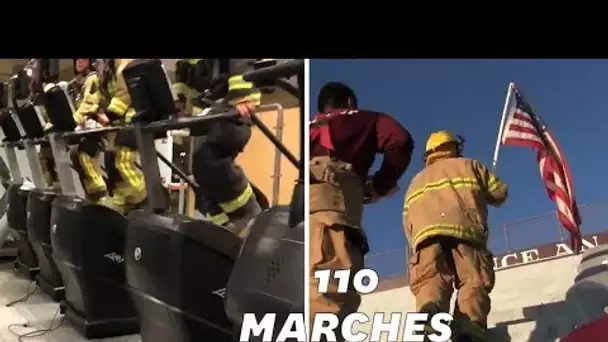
47 164
127 180
86 159
437 265
336 239
225 193
330 248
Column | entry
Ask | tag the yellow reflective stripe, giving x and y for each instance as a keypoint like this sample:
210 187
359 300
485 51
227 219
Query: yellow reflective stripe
256 98
181 88
237 82
194 61
91 171
494 183
126 168
197 110
219 219
454 230
117 106
441 184
239 202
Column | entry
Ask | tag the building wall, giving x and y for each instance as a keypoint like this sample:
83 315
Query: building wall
530 301
527 301
258 159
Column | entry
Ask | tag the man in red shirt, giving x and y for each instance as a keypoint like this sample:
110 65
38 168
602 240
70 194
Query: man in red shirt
344 141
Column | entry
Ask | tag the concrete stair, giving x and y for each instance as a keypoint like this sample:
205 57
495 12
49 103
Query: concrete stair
528 302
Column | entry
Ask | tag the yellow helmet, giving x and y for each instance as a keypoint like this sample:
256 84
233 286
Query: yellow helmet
440 138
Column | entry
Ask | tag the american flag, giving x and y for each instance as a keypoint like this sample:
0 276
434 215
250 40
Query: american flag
524 128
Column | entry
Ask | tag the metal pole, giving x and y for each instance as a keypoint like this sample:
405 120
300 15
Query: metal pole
276 176
501 128
182 175
303 123
508 245
147 152
181 198
191 198
34 162
13 163
62 163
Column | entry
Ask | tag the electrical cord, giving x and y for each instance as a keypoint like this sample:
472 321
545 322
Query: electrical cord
37 332
27 295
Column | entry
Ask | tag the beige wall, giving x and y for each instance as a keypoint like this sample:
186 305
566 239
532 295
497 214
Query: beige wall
258 159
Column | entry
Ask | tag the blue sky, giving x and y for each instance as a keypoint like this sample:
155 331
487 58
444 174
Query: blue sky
467 97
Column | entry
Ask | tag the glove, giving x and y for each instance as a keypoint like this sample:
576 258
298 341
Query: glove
371 196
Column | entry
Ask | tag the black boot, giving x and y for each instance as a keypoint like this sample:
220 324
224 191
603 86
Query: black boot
431 309
464 338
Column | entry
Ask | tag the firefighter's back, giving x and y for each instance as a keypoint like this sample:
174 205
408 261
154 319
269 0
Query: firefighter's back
449 198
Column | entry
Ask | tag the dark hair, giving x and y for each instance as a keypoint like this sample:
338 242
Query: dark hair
91 64
336 95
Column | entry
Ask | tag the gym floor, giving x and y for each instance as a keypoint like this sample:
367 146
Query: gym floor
36 313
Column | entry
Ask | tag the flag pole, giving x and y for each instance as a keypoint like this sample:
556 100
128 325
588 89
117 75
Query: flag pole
501 129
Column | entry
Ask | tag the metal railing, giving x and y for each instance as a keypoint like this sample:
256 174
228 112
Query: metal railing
508 237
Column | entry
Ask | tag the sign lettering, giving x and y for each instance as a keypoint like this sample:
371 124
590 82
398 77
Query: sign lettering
543 253
523 257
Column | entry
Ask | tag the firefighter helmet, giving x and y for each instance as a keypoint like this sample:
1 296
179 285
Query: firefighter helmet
440 139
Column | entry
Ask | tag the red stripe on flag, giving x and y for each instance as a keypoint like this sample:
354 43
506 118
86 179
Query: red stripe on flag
524 129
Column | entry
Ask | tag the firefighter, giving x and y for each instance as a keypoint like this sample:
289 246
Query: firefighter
343 143
45 154
47 164
191 79
225 195
125 178
445 220
86 157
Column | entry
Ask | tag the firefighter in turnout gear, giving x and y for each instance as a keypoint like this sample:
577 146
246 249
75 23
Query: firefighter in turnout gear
38 84
125 178
344 141
191 79
86 157
226 197
445 217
